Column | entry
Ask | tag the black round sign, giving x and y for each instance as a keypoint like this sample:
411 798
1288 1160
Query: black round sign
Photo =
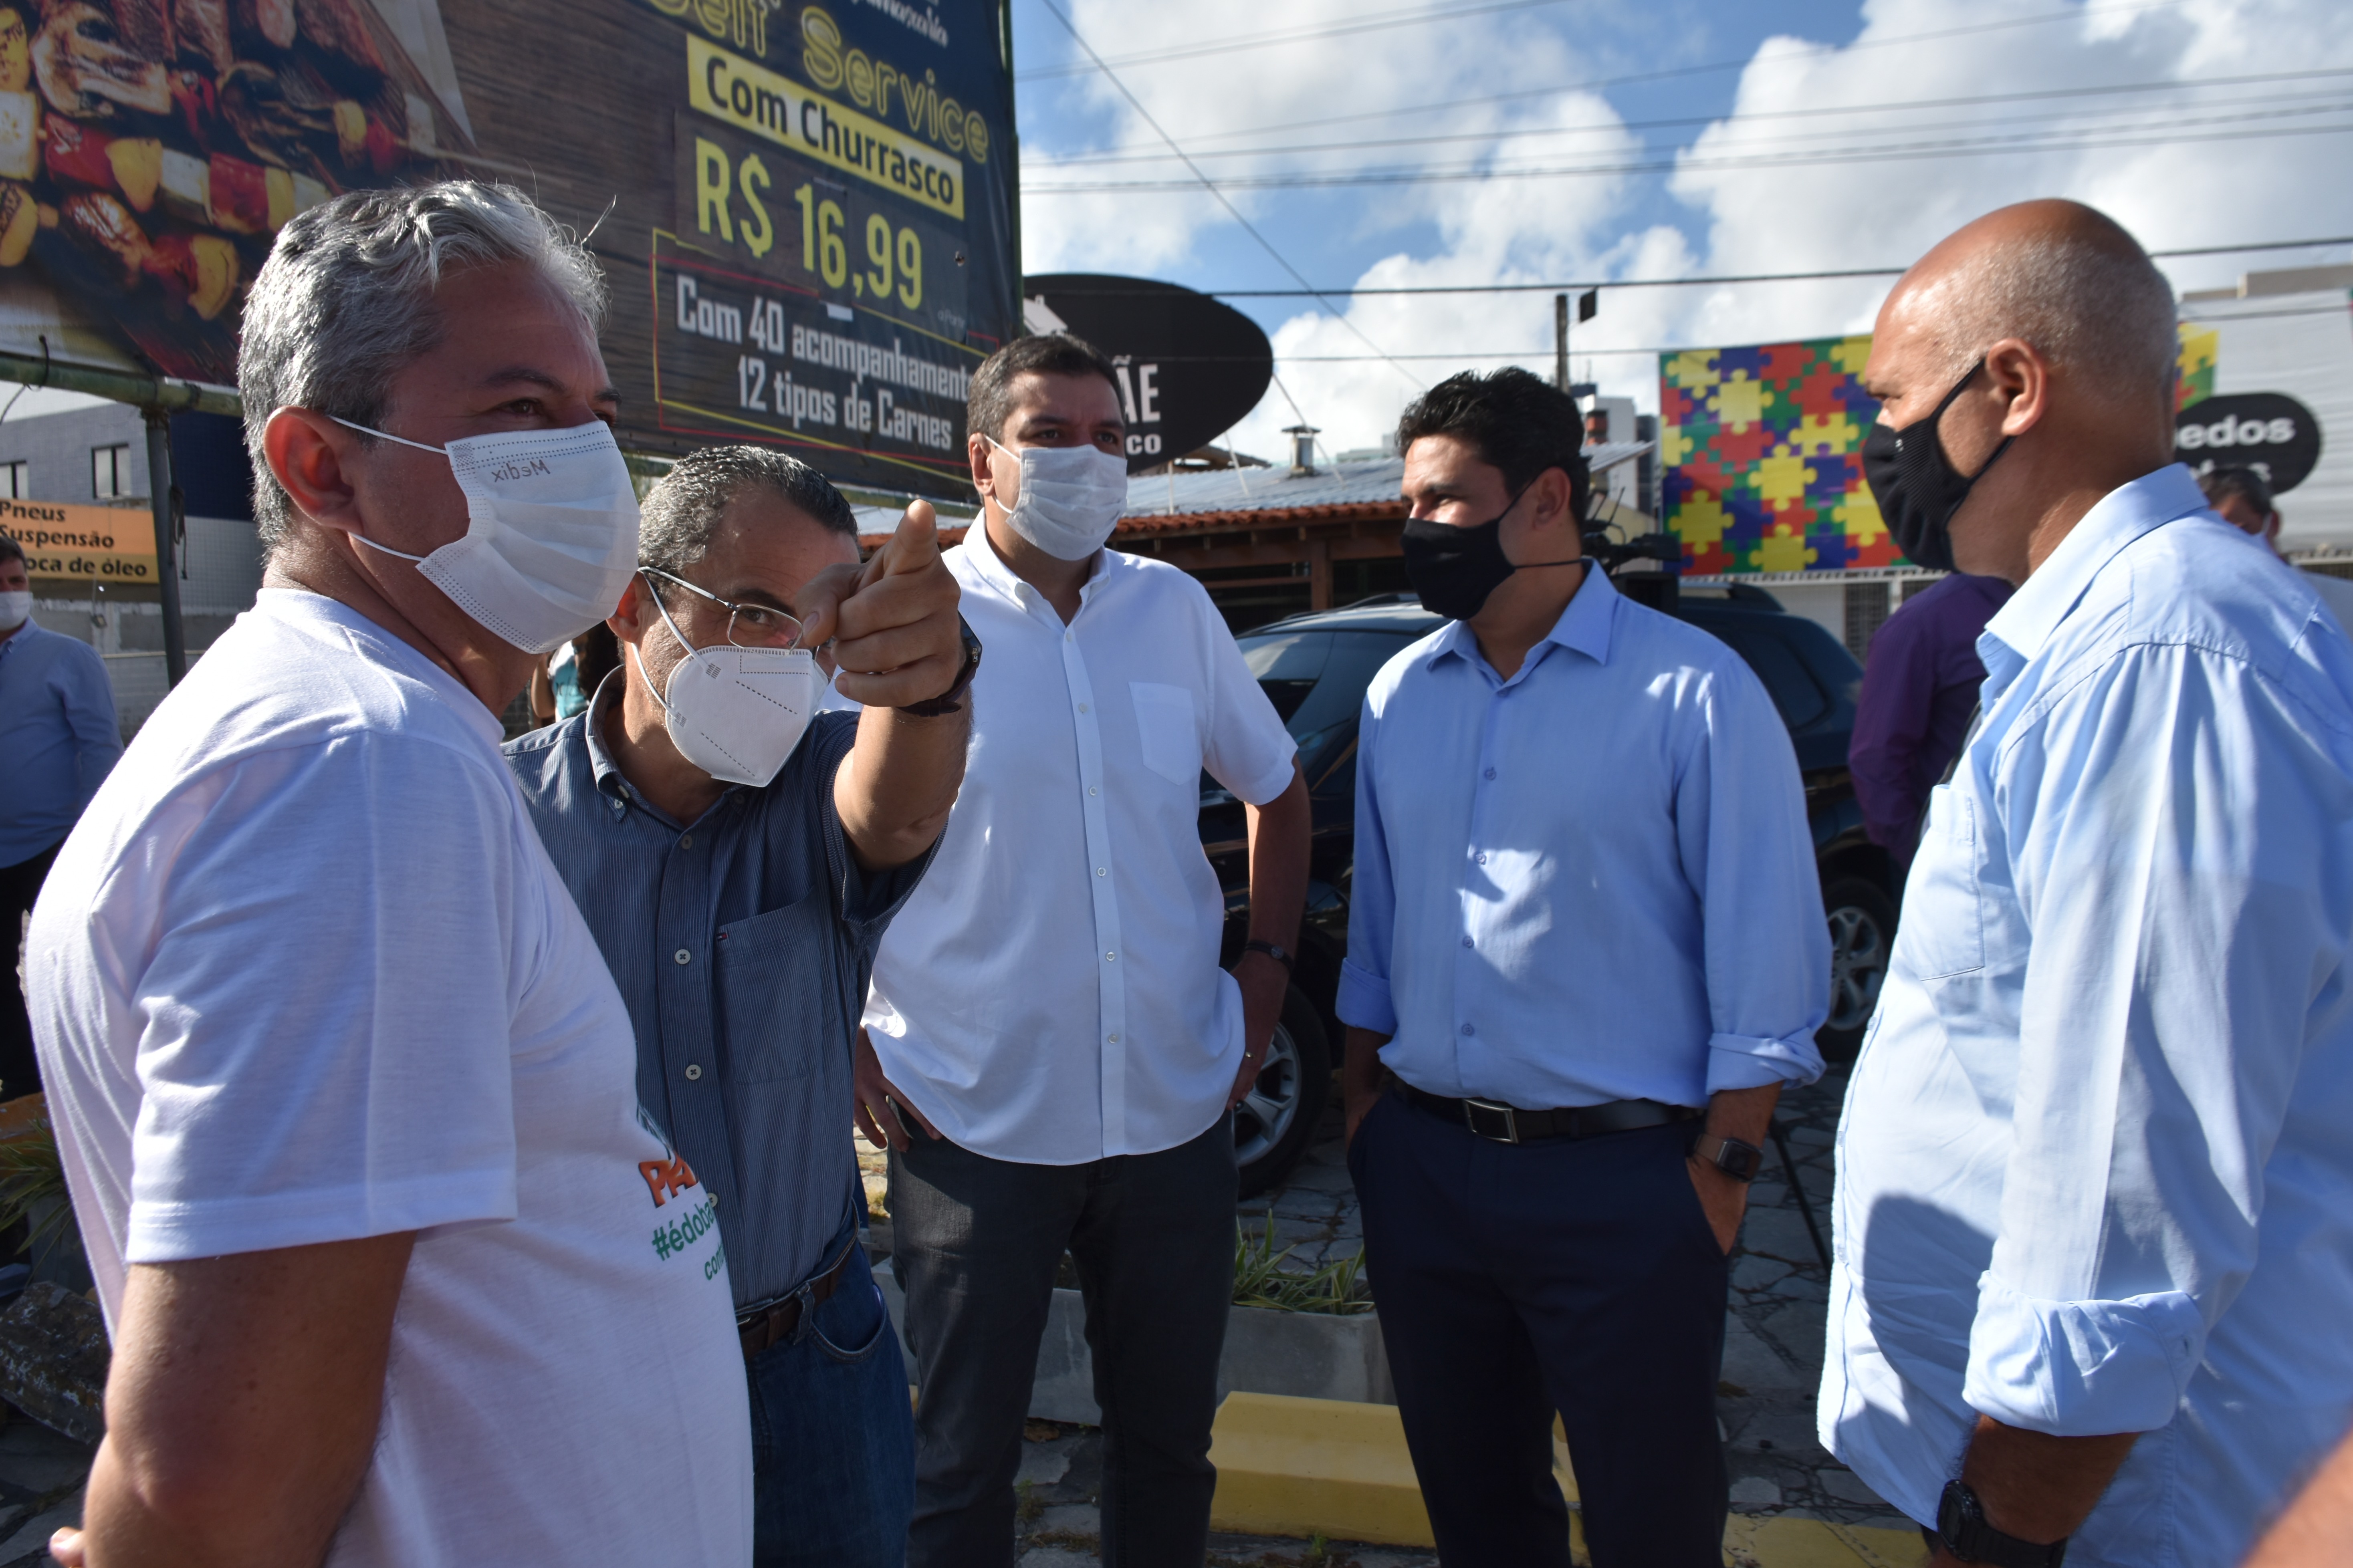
1189 367
2266 431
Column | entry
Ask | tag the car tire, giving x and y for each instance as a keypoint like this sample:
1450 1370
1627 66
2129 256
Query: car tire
1277 1120
1863 937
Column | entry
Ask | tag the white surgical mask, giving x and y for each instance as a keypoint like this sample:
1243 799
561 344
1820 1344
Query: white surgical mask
16 608
736 713
1070 498
551 532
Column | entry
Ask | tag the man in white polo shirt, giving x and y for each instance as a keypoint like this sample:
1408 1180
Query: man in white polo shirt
1054 1048
397 1271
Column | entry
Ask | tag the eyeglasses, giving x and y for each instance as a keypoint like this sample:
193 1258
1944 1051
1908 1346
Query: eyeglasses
748 626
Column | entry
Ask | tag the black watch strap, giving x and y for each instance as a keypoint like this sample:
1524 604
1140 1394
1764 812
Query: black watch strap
952 699
1272 951
1739 1161
1961 1526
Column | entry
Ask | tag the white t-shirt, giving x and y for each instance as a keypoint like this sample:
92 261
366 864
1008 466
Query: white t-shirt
303 973
1049 993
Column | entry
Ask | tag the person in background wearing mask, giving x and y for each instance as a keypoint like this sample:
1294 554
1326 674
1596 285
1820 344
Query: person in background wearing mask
59 731
1919 690
1055 1052
2094 1203
343 1088
2242 498
738 854
1586 950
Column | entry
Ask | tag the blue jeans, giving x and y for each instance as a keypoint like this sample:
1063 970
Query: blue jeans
833 1441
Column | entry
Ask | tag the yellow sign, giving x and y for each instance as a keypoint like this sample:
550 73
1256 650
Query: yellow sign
754 98
82 544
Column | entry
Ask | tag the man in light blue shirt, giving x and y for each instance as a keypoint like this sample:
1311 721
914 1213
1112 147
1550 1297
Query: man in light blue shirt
58 733
2095 1187
1587 946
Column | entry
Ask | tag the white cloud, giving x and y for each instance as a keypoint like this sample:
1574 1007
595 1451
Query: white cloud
1780 216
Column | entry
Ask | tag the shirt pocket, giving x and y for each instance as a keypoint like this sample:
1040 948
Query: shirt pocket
779 1006
1942 932
1164 728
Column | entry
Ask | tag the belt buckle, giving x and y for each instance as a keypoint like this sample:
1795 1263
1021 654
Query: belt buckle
1470 1109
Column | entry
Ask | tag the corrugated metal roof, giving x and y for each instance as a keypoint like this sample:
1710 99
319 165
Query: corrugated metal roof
1278 490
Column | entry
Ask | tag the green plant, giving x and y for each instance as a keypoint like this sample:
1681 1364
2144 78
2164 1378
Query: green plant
33 1186
1261 1280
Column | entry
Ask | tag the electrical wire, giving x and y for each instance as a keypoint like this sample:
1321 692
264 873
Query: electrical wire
1132 153
1672 72
1223 200
2036 142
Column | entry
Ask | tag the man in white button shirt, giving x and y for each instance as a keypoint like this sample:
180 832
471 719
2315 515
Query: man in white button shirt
1054 1048
397 1272
2095 1195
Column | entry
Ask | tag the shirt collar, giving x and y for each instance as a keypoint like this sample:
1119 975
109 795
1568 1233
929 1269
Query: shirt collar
2022 627
1585 625
24 634
611 783
990 567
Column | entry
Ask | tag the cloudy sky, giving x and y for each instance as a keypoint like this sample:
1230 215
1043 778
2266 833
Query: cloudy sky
1625 139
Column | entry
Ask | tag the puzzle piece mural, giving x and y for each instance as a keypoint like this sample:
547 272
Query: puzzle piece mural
1761 452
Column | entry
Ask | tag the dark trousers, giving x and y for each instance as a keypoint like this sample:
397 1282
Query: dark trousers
20 1071
833 1448
1515 1281
975 1243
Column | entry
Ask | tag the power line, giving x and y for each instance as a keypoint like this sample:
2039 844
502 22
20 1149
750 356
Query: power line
2036 142
1210 185
1132 152
1380 22
1672 72
1710 281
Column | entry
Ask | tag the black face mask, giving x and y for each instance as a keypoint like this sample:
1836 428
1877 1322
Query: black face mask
1916 485
1454 568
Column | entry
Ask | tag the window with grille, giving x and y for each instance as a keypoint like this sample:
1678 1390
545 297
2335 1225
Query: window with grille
16 481
109 471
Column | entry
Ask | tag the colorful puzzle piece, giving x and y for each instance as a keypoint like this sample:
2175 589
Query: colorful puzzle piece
1761 452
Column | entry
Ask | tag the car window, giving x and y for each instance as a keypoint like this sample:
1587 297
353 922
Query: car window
1794 691
1287 666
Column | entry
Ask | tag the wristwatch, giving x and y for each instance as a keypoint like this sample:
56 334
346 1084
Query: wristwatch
1961 1526
1272 951
1735 1159
952 699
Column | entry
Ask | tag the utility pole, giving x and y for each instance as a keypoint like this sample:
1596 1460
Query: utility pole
1560 341
167 566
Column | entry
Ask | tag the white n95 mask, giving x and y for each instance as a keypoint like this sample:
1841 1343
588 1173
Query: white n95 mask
1070 498
16 608
551 534
736 713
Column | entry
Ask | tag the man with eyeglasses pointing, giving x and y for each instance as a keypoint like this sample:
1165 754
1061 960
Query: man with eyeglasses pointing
737 851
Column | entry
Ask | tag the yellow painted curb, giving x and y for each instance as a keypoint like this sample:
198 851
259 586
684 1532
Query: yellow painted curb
1326 1467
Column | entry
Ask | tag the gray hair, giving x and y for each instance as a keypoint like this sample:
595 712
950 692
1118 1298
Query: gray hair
2084 294
685 508
346 301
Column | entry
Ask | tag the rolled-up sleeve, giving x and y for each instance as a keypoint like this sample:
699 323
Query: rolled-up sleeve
1740 823
1365 1001
2177 832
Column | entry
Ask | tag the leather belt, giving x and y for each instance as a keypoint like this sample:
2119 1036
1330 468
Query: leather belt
764 1326
1509 1124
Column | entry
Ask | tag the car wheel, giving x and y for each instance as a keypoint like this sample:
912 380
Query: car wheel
1863 934
1275 1121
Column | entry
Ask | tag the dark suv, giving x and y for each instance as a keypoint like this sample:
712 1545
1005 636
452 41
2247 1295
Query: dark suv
1316 668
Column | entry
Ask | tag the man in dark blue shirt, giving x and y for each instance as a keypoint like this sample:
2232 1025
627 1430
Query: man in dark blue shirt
737 855
57 730
1919 687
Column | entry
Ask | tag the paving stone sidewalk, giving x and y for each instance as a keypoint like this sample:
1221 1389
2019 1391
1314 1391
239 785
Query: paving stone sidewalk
1772 1362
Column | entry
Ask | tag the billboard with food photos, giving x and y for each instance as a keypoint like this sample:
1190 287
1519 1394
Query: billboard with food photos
805 211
